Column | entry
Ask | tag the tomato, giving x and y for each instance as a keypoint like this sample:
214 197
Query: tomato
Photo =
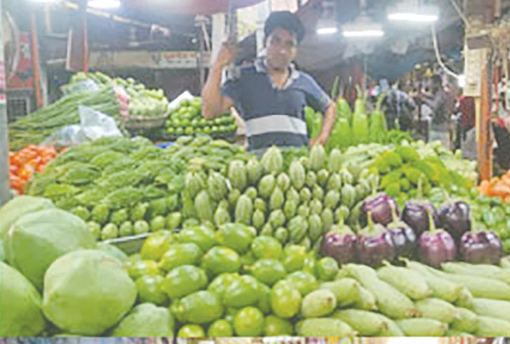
15 182
16 160
25 174
13 169
33 163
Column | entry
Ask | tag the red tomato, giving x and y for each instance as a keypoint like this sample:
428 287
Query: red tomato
16 160
25 174
15 182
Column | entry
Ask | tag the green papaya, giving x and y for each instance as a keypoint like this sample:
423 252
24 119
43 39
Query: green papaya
285 300
180 254
220 260
266 247
268 271
303 281
202 236
183 281
242 292
198 308
293 258
235 236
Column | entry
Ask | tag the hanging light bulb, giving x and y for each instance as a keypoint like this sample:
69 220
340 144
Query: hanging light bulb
411 11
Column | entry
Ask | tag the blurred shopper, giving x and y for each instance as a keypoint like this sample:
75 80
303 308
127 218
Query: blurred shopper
437 101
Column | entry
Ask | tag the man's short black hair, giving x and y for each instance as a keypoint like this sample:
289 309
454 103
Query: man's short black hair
284 20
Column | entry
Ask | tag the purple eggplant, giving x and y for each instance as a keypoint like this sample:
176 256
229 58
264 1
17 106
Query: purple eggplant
455 218
415 215
380 206
375 244
481 247
403 237
436 246
340 245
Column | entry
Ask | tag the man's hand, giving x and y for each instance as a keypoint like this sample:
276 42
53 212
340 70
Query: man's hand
226 55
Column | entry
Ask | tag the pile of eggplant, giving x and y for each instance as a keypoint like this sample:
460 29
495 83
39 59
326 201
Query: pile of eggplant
420 232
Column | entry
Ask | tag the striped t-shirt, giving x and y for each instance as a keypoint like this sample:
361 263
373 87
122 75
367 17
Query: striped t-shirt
274 116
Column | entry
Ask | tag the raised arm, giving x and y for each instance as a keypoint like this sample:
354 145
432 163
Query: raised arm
214 102
327 124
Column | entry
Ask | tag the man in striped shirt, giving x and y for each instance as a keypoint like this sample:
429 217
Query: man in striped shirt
270 94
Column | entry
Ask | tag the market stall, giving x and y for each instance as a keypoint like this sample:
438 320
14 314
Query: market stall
134 216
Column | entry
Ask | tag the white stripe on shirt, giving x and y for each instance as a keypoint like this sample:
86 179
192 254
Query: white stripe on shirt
275 123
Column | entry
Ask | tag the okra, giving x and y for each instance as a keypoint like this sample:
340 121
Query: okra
441 288
437 309
422 327
407 281
492 308
346 291
492 327
466 322
481 270
390 301
364 322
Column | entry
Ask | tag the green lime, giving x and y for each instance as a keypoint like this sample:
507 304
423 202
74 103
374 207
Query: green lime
191 331
150 290
266 247
275 326
143 268
249 322
184 280
220 328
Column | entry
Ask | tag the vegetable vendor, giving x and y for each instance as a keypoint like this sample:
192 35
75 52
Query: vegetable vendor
270 94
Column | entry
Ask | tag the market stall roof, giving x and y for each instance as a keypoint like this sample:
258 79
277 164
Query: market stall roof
198 7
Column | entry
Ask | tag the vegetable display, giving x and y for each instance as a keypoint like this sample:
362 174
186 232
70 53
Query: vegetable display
187 119
123 187
97 91
227 281
376 239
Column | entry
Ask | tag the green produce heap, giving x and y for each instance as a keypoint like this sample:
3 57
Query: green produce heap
123 187
187 119
231 282
94 90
